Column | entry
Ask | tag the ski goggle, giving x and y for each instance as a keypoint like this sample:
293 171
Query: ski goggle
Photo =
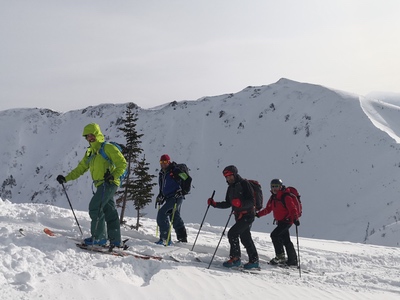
275 186
164 161
228 173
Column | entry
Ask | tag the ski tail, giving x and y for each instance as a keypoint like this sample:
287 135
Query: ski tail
49 232
116 251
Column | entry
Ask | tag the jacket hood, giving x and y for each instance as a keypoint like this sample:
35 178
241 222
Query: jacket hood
94 128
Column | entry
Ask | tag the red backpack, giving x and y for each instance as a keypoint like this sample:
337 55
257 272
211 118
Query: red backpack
292 191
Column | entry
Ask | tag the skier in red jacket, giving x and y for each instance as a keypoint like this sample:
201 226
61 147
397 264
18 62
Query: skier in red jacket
285 212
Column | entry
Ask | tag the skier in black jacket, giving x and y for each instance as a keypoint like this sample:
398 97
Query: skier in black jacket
240 197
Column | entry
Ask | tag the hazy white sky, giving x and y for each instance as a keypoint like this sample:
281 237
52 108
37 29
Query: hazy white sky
67 55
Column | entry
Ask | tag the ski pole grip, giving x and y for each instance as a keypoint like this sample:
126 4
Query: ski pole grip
212 197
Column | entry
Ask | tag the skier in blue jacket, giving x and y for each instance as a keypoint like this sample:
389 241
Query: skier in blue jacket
170 195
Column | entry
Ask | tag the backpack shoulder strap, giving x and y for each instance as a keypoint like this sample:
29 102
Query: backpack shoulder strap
102 152
178 173
284 195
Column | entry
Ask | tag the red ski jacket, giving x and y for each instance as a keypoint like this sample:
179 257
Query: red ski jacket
283 210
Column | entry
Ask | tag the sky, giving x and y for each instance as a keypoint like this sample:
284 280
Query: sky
67 55
36 266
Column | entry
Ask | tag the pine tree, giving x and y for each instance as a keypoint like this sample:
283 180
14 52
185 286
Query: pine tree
143 185
131 153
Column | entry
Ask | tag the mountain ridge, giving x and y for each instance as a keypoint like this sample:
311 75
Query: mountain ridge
317 139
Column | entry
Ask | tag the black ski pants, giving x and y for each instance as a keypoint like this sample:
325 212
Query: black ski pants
242 229
280 237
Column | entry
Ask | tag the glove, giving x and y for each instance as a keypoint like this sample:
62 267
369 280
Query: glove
296 222
178 194
159 200
61 179
236 202
257 215
211 202
108 176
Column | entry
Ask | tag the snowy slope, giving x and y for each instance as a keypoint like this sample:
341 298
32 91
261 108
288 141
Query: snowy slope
334 146
36 266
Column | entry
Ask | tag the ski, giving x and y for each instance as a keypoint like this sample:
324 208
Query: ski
121 252
115 251
294 268
174 258
45 230
54 234
49 232
257 271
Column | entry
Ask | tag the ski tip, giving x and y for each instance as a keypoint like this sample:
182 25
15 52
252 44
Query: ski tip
48 232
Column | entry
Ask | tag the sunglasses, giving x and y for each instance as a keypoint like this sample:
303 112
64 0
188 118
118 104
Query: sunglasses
275 186
89 136
163 161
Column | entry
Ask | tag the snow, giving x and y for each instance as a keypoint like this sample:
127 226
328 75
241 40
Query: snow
340 150
383 115
37 266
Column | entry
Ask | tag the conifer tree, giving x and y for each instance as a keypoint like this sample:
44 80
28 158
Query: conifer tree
131 153
143 185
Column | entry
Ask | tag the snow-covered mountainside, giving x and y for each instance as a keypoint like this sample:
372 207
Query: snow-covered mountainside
338 149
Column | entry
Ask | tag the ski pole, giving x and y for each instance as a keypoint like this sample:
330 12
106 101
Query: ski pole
70 205
201 225
223 232
158 209
170 225
298 249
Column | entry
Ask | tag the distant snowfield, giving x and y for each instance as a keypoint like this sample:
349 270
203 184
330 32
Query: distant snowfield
36 266
383 115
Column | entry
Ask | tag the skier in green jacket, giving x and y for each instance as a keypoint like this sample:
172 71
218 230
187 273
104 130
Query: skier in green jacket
105 177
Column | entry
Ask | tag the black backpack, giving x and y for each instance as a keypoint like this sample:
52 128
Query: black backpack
183 177
258 195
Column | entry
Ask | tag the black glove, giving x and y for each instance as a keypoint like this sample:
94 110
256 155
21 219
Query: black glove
296 222
159 200
61 179
178 194
108 176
